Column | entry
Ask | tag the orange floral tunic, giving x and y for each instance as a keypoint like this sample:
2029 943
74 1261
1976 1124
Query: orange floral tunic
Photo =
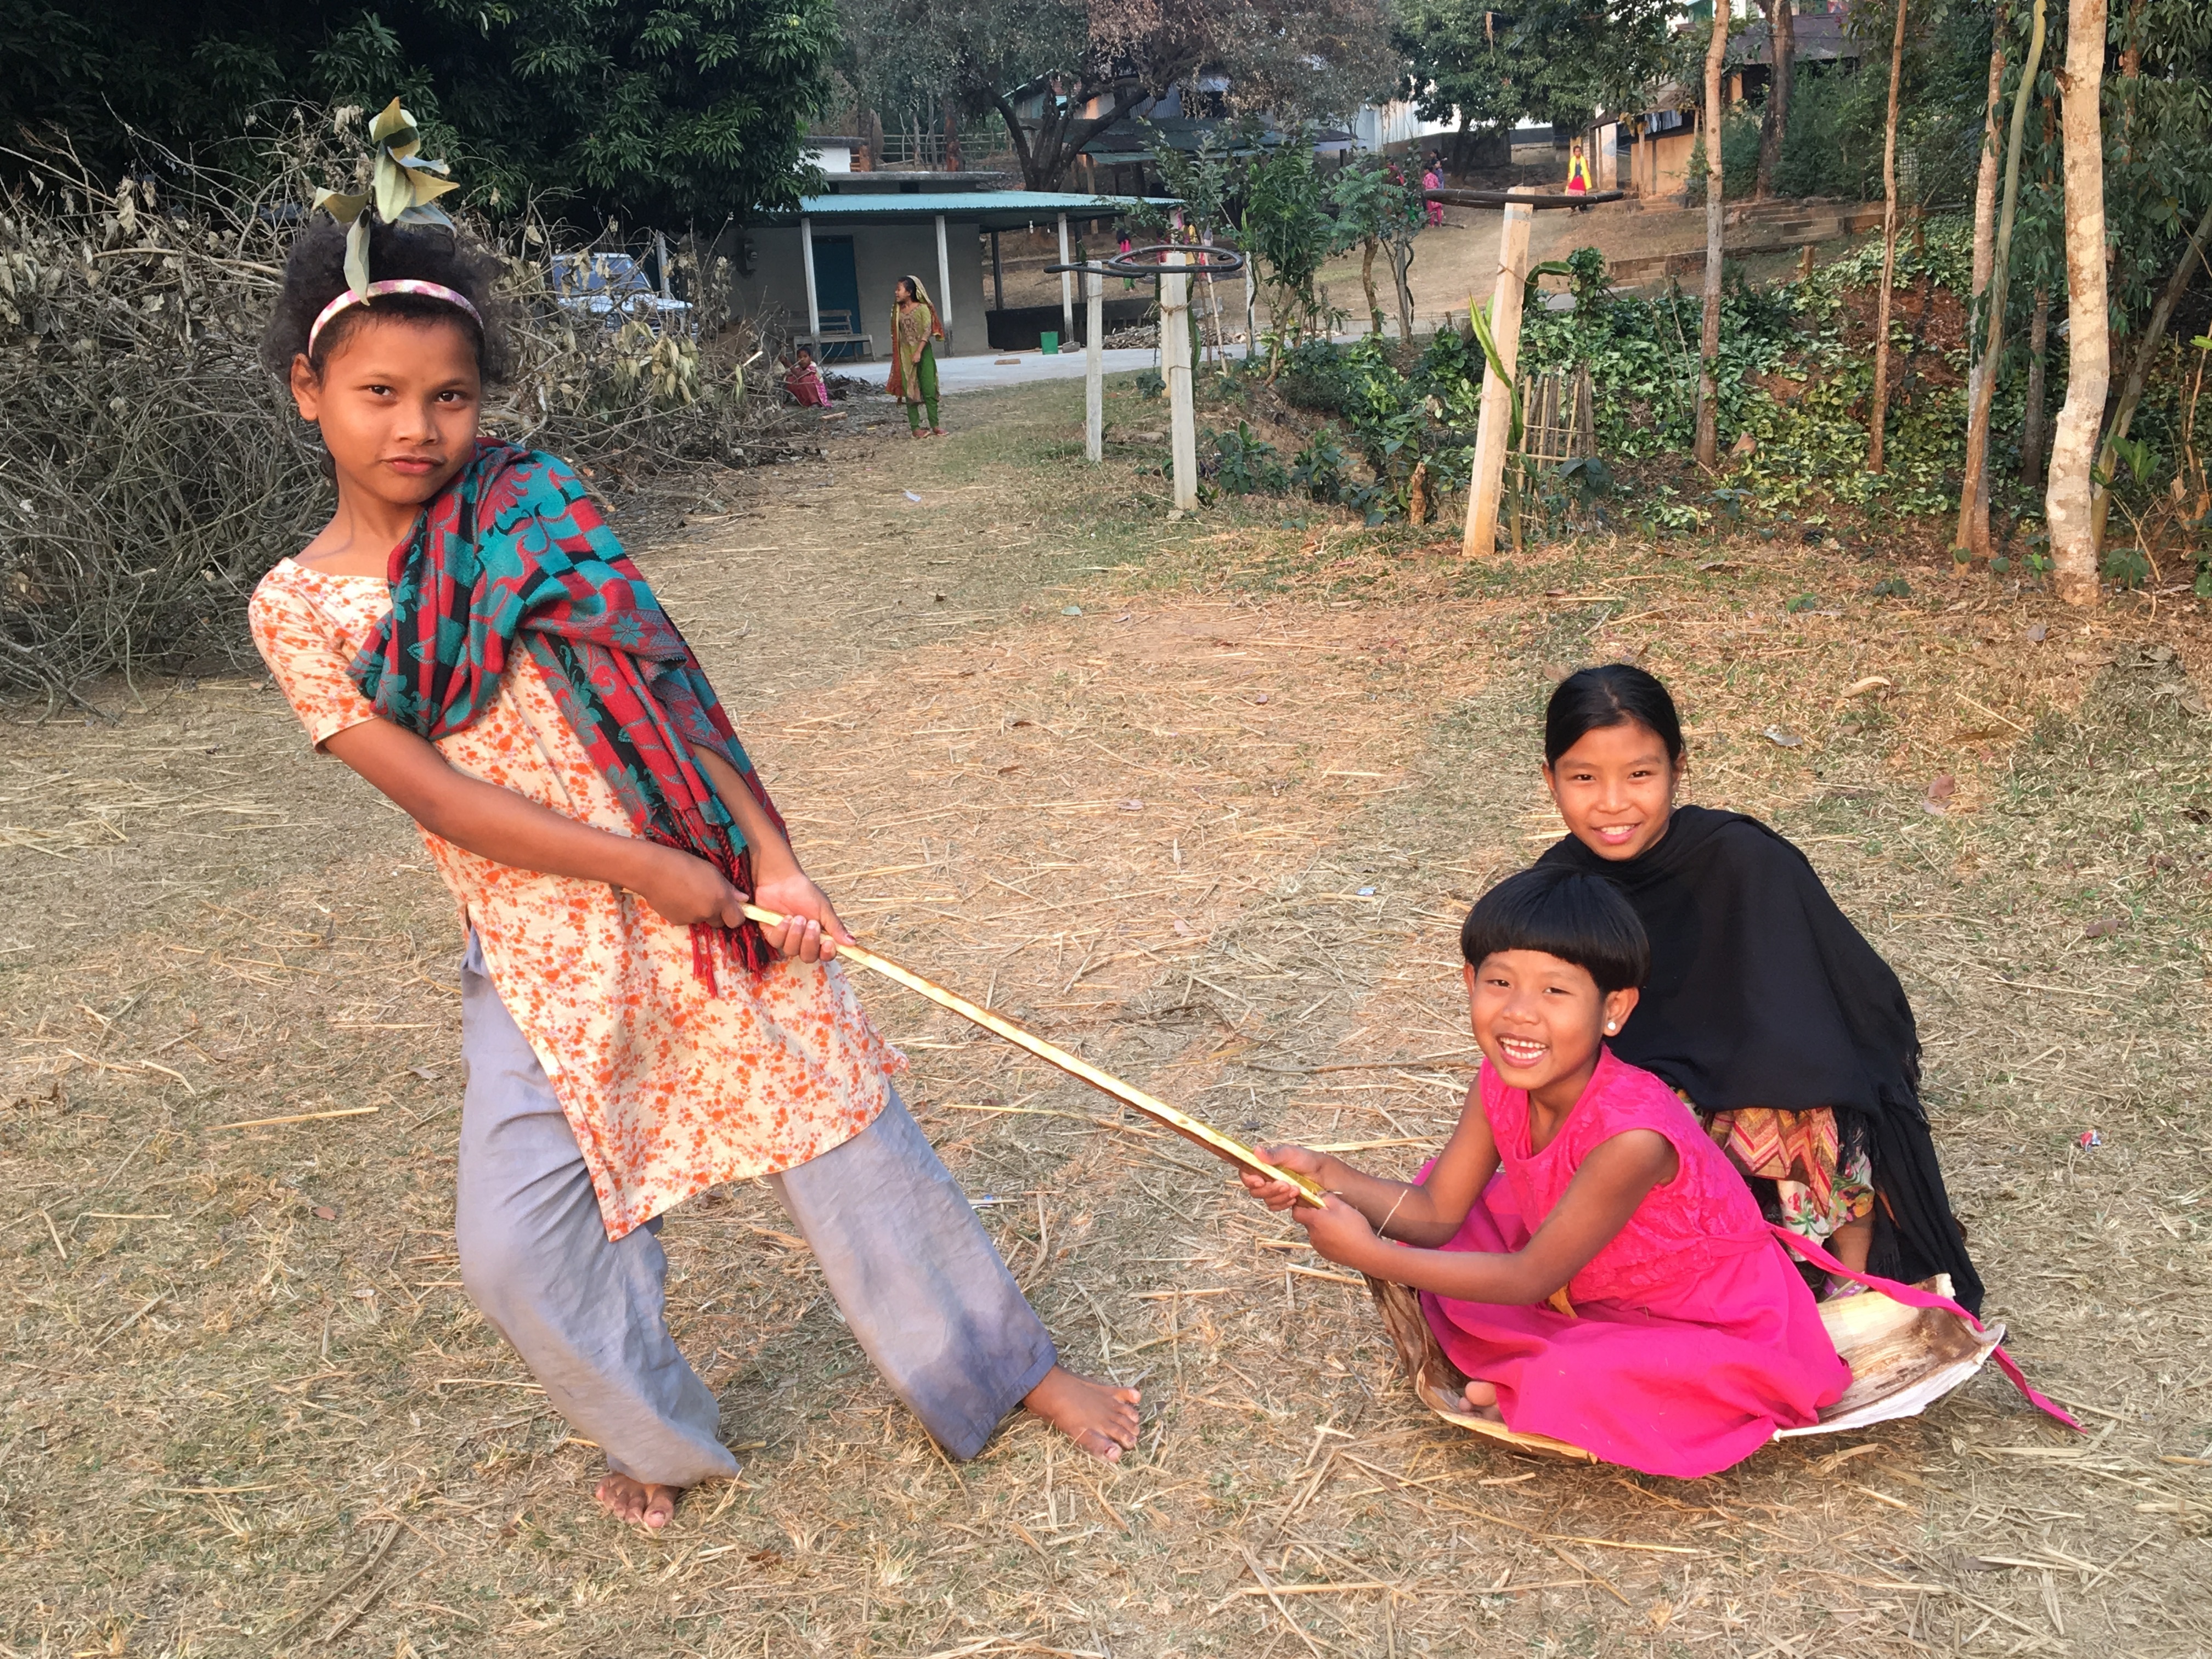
669 1088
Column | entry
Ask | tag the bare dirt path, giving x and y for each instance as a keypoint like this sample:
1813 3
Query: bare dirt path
1205 799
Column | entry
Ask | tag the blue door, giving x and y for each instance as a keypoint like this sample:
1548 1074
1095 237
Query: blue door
837 292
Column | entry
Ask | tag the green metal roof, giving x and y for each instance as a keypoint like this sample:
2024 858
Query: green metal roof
994 209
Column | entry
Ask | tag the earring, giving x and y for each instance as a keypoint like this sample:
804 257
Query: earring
1611 1027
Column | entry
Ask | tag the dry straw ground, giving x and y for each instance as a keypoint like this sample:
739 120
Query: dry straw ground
1206 801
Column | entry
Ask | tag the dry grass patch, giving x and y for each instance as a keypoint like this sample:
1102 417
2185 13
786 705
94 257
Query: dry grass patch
1215 831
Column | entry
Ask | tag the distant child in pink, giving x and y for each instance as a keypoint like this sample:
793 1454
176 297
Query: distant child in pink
1586 1253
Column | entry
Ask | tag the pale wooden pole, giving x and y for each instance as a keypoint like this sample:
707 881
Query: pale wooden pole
1493 431
1174 357
1094 367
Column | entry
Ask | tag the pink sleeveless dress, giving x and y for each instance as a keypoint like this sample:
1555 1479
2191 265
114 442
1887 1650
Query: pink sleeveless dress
1693 1338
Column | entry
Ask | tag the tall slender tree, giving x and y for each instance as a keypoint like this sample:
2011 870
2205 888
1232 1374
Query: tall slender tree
1879 416
1774 119
1973 498
2066 496
1708 442
1975 486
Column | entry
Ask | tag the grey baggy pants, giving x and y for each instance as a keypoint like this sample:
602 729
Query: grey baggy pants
912 1270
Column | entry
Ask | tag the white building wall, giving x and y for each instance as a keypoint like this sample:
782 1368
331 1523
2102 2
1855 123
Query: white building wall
1378 126
776 290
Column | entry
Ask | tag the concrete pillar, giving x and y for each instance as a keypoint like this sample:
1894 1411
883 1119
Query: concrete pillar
806 257
1494 429
944 287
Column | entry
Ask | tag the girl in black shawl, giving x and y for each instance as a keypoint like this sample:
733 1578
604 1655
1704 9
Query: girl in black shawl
1765 1009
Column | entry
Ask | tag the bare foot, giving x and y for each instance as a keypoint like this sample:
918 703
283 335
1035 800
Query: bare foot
1482 1402
638 1502
1096 1416
937 432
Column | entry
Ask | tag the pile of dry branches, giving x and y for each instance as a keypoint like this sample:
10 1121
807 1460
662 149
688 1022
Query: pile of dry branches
153 471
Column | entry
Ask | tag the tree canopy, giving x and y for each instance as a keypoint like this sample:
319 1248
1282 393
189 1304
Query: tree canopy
1546 60
657 112
1097 61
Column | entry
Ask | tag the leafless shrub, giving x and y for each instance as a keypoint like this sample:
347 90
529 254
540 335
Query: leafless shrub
153 471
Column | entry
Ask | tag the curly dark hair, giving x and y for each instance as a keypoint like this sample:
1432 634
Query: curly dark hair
315 274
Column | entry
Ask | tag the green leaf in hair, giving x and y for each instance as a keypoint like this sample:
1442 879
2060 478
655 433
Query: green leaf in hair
404 189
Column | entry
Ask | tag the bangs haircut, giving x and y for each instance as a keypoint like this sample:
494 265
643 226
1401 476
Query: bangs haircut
1567 914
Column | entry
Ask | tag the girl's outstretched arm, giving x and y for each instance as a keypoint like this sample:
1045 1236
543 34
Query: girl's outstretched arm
1427 1212
1613 1180
496 822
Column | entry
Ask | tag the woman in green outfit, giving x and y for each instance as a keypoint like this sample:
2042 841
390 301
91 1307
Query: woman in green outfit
914 358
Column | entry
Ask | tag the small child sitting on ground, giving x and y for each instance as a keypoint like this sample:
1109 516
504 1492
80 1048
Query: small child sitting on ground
803 381
1678 1337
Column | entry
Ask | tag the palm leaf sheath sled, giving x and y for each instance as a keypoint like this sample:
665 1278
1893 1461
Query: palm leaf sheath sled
1903 1358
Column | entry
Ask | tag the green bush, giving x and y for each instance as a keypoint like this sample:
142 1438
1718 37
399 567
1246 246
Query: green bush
1739 158
1246 465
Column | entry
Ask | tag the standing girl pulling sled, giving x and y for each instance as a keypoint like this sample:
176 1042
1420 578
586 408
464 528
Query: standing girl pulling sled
467 635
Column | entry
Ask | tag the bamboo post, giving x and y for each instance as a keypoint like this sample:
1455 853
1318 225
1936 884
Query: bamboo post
1175 359
1222 1146
1493 431
1094 367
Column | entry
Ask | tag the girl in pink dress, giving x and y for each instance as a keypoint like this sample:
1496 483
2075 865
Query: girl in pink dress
1584 1252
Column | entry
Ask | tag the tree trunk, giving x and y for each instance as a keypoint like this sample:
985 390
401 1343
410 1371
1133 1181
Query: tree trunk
1708 333
1774 121
1367 281
2139 365
1401 273
1976 483
1046 150
1974 492
2034 422
1875 422
2066 504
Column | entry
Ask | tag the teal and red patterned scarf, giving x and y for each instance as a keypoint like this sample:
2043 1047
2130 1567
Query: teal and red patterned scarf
514 549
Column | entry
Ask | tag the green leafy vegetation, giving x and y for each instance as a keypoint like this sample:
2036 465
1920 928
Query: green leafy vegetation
653 111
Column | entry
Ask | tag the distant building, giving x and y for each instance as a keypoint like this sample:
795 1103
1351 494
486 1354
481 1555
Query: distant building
827 267
1659 138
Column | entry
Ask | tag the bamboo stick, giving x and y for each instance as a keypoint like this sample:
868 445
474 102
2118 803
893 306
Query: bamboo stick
1221 1145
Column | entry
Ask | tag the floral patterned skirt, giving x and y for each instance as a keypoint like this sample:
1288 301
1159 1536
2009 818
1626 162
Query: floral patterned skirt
1820 1189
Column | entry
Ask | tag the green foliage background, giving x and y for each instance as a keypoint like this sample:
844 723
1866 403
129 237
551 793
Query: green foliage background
656 111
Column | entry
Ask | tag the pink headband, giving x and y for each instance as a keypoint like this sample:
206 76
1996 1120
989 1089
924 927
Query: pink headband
395 285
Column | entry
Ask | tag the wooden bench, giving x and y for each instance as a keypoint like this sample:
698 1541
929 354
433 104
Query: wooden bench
838 329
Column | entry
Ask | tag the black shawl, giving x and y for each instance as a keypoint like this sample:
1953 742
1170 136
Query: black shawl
1762 994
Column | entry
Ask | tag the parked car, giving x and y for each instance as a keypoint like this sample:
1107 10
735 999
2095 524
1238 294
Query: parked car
605 283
